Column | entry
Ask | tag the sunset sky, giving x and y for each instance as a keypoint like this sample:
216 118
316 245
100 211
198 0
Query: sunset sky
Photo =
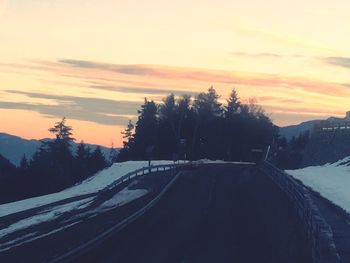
94 61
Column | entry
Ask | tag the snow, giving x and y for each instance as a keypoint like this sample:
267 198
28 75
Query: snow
208 161
46 215
18 241
332 181
89 186
124 196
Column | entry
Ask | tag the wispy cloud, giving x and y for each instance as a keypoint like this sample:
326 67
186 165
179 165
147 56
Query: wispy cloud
216 76
144 91
103 111
256 55
133 82
338 61
125 69
278 99
146 76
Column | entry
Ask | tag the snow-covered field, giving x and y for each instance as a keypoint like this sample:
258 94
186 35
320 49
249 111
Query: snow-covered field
89 186
332 181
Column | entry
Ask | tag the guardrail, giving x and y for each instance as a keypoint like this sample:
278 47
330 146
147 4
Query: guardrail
146 170
318 233
83 248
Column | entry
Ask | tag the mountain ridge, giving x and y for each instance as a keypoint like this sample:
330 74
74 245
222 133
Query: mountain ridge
13 147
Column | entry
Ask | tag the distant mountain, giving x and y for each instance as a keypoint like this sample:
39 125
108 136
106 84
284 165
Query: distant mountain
13 147
294 130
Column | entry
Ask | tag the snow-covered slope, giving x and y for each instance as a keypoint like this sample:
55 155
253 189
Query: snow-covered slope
332 181
91 185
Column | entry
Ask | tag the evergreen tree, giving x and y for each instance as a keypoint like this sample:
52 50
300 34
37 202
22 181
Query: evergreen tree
145 130
233 105
204 126
82 159
128 134
113 154
207 111
97 160
24 163
232 126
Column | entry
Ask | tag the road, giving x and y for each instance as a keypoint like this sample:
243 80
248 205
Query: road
216 213
340 224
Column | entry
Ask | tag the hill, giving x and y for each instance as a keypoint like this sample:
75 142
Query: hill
294 130
13 147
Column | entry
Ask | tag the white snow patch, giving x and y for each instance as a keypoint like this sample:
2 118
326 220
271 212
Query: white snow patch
89 186
46 215
122 197
208 161
332 181
11 244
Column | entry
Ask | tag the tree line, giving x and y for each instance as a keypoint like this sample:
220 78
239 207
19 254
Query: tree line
183 127
198 127
52 168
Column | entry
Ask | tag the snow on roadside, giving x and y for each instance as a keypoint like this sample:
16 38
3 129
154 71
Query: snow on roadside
45 216
32 236
88 186
332 181
124 196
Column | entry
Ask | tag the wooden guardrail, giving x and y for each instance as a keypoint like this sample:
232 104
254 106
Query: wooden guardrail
318 233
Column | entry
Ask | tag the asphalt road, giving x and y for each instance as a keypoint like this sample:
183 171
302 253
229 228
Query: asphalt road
216 213
340 224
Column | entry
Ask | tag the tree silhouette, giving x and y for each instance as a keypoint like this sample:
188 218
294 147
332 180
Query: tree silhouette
202 127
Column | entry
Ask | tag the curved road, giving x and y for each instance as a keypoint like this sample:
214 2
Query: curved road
216 213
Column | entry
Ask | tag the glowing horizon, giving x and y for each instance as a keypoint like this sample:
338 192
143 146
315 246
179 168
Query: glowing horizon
95 61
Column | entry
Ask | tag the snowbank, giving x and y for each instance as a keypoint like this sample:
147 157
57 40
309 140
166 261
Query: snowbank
47 215
89 186
332 181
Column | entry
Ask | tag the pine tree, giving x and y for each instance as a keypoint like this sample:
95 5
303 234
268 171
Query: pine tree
97 160
128 134
233 104
208 110
145 130
113 154
24 163
62 131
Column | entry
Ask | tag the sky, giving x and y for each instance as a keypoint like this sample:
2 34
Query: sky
94 61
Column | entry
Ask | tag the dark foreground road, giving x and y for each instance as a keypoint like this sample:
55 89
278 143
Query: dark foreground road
216 213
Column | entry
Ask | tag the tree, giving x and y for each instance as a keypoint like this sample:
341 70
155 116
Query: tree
24 163
97 160
207 111
113 154
232 114
82 159
145 130
204 126
128 134
233 105
60 147
53 162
